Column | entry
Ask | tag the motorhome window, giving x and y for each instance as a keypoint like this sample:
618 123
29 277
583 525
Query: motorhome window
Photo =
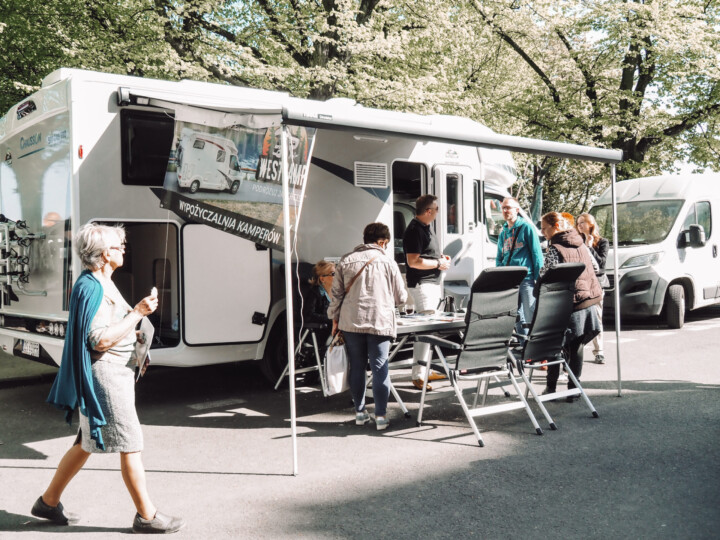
477 202
220 156
145 140
26 108
234 165
642 222
199 144
699 214
494 220
452 204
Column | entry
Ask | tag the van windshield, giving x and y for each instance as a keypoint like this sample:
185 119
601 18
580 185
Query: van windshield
641 222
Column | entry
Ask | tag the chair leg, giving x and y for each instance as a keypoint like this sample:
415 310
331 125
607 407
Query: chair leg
422 394
487 387
468 414
399 400
526 404
477 392
582 392
529 388
297 349
318 362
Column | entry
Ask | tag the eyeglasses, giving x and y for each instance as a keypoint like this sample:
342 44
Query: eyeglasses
119 248
331 274
434 209
507 207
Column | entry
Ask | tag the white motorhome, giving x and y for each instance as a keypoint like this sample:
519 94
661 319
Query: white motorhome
207 161
89 146
668 229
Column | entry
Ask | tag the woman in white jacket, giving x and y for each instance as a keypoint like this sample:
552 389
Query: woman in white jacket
367 287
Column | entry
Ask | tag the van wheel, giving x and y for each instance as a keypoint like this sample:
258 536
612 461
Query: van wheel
275 359
675 306
194 186
235 186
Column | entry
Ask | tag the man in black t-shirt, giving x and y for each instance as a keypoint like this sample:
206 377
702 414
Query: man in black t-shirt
425 262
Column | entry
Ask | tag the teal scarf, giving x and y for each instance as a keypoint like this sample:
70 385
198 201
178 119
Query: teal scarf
73 386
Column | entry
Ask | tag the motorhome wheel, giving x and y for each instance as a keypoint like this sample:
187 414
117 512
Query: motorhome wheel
194 186
675 306
275 359
235 186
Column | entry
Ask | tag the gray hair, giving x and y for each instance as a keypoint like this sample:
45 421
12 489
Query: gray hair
91 242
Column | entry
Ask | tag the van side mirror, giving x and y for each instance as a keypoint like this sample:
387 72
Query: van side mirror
697 236
693 236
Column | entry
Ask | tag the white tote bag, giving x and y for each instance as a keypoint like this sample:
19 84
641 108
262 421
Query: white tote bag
337 367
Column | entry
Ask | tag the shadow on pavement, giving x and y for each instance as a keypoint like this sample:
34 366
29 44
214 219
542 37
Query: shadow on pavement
640 471
19 523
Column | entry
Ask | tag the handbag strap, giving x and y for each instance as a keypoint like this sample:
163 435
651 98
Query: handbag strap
352 281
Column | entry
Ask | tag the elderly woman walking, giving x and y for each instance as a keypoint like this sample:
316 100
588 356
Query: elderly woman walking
97 376
367 287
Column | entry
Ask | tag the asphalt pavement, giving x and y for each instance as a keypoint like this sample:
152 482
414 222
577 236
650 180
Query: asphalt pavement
218 452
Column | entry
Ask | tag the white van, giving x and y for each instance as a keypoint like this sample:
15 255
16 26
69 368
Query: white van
207 161
91 147
668 229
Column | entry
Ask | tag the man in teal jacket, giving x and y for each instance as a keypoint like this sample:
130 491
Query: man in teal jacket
519 245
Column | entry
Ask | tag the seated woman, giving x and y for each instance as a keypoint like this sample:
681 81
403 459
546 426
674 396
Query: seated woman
316 298
566 245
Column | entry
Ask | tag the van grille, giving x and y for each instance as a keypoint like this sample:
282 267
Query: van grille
371 175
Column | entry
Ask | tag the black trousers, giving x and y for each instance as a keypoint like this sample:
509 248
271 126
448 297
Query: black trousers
575 361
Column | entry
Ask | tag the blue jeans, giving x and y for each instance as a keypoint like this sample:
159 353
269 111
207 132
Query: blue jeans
526 305
360 349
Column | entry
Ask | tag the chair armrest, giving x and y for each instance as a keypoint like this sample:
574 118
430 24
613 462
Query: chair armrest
440 342
315 325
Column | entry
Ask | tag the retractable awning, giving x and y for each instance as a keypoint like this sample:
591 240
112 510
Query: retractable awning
328 115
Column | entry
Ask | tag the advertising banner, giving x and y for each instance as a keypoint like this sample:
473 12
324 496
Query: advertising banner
230 178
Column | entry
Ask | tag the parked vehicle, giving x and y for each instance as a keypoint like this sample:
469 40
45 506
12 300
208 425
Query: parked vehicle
207 161
89 146
668 230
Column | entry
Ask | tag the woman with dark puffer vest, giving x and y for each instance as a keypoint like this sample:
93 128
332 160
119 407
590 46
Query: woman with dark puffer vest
566 245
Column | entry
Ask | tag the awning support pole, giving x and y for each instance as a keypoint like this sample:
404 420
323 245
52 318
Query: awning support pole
616 288
289 319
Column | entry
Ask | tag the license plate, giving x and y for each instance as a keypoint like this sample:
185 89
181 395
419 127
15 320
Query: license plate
31 348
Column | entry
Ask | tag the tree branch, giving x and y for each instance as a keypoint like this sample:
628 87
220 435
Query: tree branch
554 94
590 80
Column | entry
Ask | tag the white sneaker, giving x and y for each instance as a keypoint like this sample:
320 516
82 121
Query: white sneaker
361 418
381 423
563 378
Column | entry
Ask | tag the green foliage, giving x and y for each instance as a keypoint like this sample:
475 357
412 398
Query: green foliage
637 75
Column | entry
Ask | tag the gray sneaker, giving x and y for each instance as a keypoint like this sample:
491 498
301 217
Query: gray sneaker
381 423
361 418
599 359
160 524
56 514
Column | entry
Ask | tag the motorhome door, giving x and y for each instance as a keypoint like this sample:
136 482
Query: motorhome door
226 280
457 226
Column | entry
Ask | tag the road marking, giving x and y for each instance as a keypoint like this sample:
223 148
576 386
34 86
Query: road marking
215 404
661 334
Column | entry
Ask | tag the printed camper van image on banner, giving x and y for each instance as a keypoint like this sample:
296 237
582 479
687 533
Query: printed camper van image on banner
230 178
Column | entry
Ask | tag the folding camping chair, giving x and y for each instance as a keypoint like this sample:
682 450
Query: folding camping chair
306 347
482 354
309 352
544 343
